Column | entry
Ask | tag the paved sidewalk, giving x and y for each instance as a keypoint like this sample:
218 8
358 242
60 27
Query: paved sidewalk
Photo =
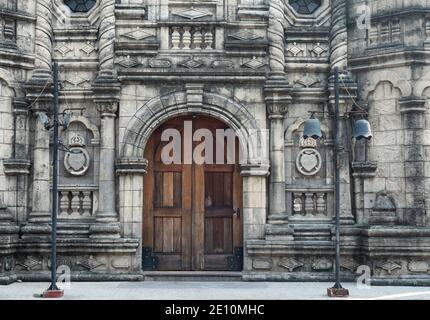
160 290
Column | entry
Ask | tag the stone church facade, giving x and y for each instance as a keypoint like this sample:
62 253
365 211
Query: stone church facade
130 67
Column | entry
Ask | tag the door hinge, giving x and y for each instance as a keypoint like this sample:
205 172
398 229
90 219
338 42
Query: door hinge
149 261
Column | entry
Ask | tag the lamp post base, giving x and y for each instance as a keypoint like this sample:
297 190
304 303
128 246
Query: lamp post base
53 294
337 292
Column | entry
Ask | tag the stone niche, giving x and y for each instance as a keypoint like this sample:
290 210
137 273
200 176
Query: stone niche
384 211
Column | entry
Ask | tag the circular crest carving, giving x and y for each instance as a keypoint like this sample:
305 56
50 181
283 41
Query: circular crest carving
309 162
77 161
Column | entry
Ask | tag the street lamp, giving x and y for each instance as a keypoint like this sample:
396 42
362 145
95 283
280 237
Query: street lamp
53 291
361 130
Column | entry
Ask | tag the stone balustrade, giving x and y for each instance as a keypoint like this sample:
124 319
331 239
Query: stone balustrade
192 38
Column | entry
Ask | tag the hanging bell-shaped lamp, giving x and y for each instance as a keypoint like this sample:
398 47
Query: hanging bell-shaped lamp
362 130
312 129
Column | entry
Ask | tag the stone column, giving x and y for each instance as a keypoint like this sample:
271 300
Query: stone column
276 38
339 35
107 225
339 58
39 218
277 102
39 89
413 109
131 196
43 42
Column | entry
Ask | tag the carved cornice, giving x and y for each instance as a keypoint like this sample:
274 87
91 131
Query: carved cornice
107 108
364 169
16 167
277 97
128 166
412 104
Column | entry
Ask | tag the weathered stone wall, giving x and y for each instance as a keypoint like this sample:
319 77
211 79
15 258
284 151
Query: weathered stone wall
126 66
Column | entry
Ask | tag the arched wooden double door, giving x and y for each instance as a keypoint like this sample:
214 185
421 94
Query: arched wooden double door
192 212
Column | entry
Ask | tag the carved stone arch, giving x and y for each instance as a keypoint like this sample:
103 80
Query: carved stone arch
90 126
160 109
387 76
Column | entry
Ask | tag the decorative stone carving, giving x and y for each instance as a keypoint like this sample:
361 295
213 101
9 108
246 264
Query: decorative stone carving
193 14
245 36
224 64
290 264
88 48
160 63
307 143
76 80
254 63
262 264
318 50
389 266
309 162
30 263
63 48
323 264
191 63
295 50
384 211
418 266
90 263
137 34
128 62
348 264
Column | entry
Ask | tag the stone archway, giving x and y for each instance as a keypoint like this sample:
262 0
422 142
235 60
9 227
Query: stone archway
131 165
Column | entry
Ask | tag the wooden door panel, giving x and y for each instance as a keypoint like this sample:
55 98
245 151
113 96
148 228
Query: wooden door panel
189 210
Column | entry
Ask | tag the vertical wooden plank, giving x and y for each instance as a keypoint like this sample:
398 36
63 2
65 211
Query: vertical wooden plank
208 188
177 189
187 217
228 196
237 191
158 234
209 247
167 235
158 189
218 235
218 185
148 195
168 189
198 218
228 235
177 234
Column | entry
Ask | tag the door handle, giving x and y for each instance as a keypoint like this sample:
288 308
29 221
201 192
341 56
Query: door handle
237 213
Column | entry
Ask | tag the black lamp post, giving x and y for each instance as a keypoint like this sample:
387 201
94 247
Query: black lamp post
361 130
53 291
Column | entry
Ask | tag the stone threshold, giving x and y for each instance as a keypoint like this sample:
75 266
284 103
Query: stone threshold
192 275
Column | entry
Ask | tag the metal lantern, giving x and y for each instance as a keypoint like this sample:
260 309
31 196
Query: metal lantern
362 130
312 129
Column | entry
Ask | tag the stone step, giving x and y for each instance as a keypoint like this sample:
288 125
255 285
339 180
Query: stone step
192 275
312 232
73 229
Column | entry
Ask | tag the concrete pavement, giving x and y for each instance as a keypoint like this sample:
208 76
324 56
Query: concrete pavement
163 290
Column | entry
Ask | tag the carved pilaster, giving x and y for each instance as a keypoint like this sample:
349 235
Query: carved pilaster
107 217
413 109
39 95
277 102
